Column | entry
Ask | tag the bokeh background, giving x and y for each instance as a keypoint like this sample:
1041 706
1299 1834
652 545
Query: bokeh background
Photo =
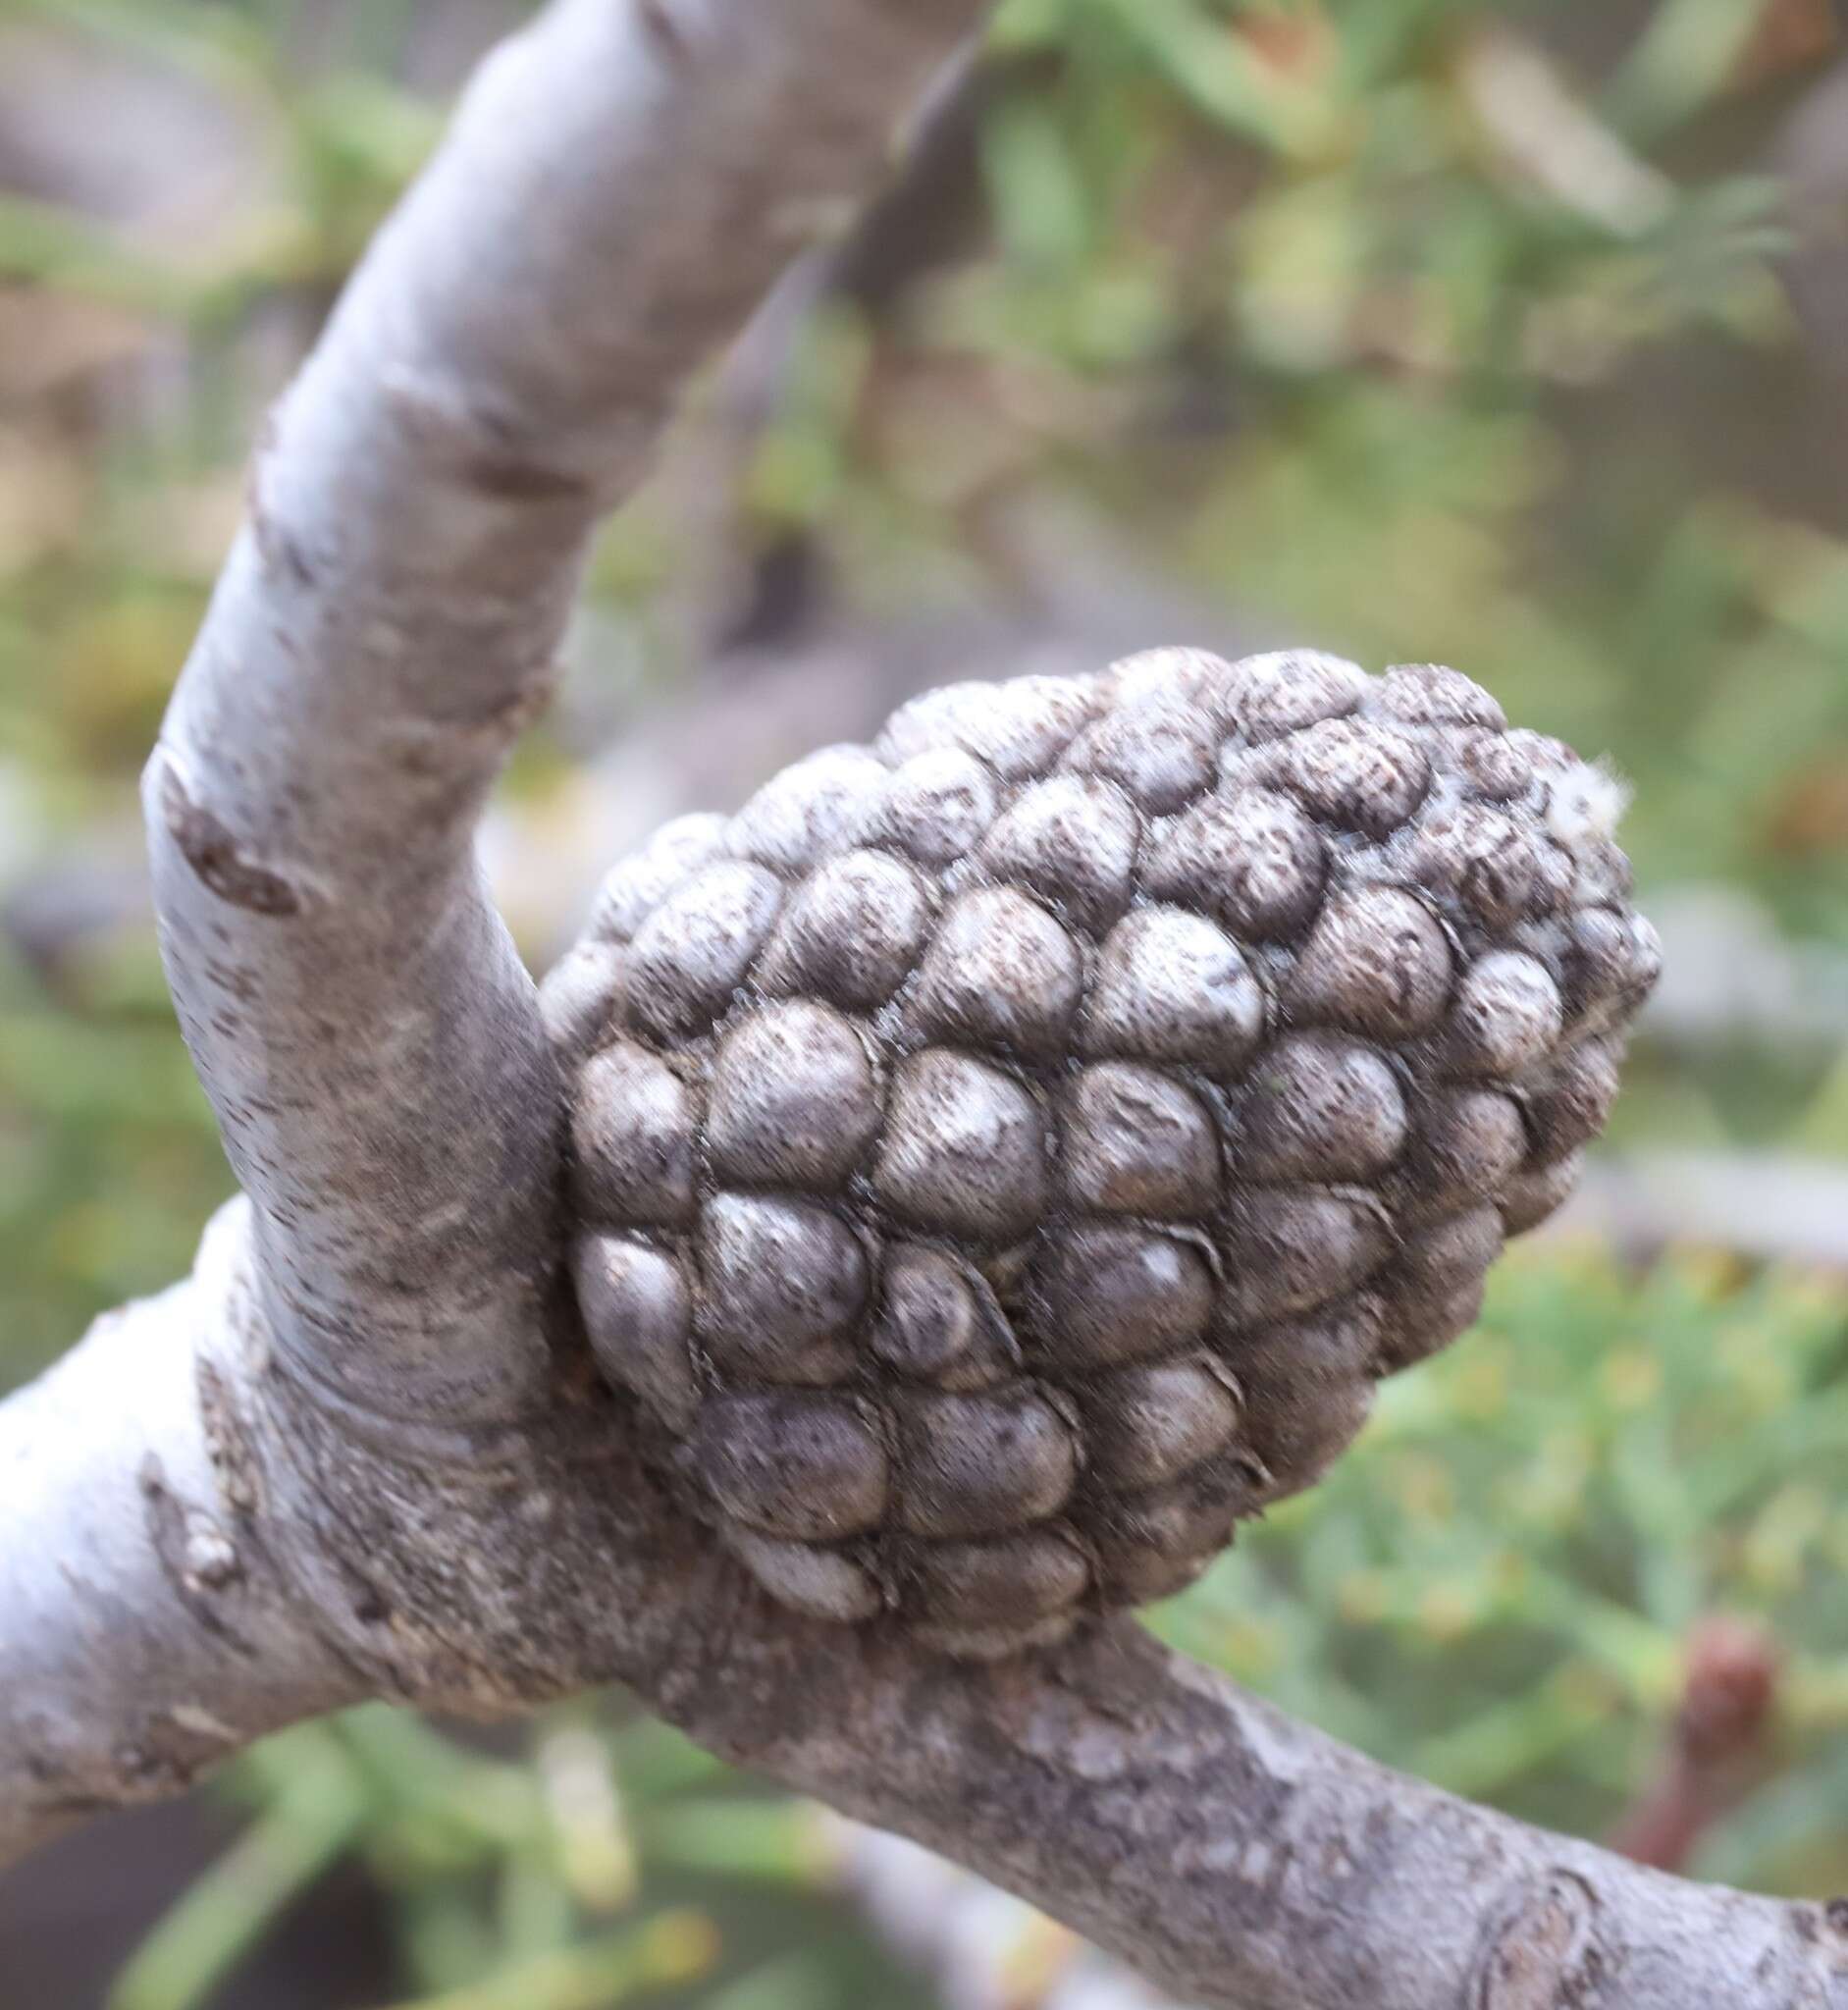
1508 335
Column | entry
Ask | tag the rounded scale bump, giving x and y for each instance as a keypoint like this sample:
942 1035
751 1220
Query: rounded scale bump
1136 1575
793 1098
1553 890
1377 962
1000 971
696 948
1452 1251
1433 694
1251 860
1420 1323
964 1149
1143 1577
1571 1104
1506 868
638 1316
1160 753
1285 689
1434 1292
1531 1196
632 1136
1171 675
584 995
1319 1106
1071 839
793 1464
1507 1017
1147 1424
939 805
1173 986
786 1283
1612 958
1541 755
1494 865
1134 1141
634 888
819 1583
1000 1581
1308 1389
1291 1248
1492 766
1604 872
1467 1144
1355 773
816 806
1154 1543
1108 1293
851 933
997 1643
979 1465
940 1322
1018 729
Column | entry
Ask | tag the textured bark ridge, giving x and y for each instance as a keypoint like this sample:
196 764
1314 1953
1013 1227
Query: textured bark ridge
1011 1154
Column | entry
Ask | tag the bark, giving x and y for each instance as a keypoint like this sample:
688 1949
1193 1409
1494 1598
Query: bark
1245 1861
622 183
145 1627
363 1451
1236 1857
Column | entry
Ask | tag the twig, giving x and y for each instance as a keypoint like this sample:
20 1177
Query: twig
1715 1748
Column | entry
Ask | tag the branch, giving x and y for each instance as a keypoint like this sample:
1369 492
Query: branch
1238 1858
981 1949
147 1628
363 1451
622 183
1244 1860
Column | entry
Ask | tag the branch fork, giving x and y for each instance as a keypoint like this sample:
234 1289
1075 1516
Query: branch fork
358 1452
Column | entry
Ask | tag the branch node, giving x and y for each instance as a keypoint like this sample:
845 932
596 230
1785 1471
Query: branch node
1544 1958
481 442
212 852
211 1559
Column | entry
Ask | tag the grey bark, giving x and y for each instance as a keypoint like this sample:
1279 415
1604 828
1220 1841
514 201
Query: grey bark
145 1626
361 1451
621 184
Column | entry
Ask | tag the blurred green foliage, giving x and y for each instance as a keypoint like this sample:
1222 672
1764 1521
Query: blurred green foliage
1387 330
616 1862
1358 289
